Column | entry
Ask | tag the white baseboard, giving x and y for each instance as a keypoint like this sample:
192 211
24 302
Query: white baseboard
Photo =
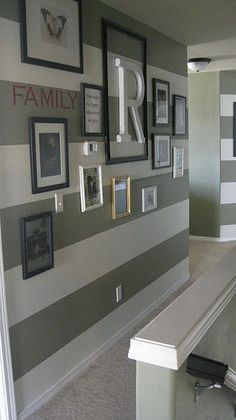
205 238
77 370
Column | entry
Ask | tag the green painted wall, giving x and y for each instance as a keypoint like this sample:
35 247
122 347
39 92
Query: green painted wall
204 154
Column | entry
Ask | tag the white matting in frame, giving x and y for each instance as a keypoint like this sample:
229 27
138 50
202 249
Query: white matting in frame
161 152
178 161
149 198
91 193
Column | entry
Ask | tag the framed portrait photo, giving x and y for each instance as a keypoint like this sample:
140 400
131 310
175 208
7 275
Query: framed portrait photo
92 110
121 204
161 102
178 161
36 244
49 154
51 34
91 193
179 115
160 151
149 198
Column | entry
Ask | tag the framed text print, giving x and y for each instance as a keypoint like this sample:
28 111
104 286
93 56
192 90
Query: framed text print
49 154
51 34
124 70
92 110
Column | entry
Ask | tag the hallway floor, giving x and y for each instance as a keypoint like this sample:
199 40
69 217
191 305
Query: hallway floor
106 390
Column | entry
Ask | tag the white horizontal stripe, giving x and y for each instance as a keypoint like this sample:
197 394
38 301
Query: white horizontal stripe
15 170
108 250
42 382
228 193
12 69
227 149
228 232
226 105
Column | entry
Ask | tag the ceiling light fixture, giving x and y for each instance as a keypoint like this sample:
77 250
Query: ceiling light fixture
198 64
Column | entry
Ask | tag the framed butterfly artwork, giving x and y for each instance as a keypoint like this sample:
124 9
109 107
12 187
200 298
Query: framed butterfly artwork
51 34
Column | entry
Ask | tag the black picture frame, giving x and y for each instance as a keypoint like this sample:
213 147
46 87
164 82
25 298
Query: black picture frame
234 130
161 93
45 52
48 154
36 244
179 115
161 151
107 25
88 106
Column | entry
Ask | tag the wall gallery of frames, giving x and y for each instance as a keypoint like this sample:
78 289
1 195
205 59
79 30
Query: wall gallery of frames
94 154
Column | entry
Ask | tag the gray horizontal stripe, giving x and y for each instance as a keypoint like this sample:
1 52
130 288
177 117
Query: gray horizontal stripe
226 127
163 52
227 82
228 214
18 133
9 9
72 226
228 171
32 101
204 216
41 335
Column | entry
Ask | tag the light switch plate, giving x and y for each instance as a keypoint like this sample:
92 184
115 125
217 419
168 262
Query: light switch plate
59 207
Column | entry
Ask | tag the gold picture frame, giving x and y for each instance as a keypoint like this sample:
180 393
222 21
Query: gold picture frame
121 203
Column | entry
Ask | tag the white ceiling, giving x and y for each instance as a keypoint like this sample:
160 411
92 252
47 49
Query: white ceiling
207 27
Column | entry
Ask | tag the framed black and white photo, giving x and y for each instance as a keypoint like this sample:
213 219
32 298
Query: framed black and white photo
149 198
178 161
49 154
92 110
161 151
121 204
125 90
161 102
36 244
91 193
179 115
51 34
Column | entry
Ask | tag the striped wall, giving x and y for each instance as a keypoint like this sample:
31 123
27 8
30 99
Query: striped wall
228 162
204 155
63 316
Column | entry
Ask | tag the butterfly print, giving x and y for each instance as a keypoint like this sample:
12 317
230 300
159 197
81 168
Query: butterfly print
54 24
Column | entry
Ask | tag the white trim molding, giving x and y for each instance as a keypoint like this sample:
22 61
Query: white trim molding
7 395
174 333
205 238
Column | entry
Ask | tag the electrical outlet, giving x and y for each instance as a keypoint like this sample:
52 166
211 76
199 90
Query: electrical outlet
118 293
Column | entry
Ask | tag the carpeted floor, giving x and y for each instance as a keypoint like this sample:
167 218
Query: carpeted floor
106 390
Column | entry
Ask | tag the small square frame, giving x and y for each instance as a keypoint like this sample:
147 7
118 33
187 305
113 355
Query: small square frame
178 161
149 198
179 115
92 110
161 102
37 244
49 154
91 192
121 206
161 151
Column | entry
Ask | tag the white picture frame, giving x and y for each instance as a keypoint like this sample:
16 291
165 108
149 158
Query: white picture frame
178 161
91 192
149 198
